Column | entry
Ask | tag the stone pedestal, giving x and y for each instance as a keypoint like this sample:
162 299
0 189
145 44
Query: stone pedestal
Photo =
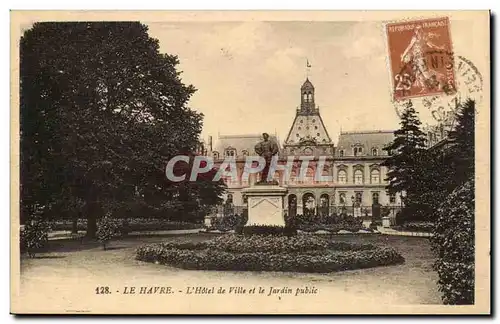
265 205
386 222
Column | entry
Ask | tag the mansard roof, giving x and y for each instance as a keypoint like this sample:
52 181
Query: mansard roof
243 142
367 139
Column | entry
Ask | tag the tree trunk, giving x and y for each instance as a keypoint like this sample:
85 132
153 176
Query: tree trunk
74 226
94 211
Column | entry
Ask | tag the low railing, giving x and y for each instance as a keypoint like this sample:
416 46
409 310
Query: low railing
365 212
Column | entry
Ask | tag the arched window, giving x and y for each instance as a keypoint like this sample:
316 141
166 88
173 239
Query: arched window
342 200
341 153
358 177
342 177
358 151
293 177
374 151
216 155
245 153
305 97
309 178
375 176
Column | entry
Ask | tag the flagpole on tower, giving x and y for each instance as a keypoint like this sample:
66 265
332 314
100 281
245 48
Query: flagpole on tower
308 68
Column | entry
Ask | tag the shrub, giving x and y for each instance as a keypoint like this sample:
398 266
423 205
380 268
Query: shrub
34 235
268 230
343 222
269 253
107 229
426 227
453 241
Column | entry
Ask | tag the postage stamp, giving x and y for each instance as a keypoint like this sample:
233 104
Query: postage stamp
421 58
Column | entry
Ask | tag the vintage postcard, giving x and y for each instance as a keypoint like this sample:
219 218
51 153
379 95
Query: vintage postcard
250 162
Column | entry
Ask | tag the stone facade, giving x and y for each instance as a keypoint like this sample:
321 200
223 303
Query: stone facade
357 178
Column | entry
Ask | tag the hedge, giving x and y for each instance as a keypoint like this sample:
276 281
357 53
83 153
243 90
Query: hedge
425 227
269 253
132 224
453 241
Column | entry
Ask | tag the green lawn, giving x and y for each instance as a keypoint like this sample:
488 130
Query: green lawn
73 269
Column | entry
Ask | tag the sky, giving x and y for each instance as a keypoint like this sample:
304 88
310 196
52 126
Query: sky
248 74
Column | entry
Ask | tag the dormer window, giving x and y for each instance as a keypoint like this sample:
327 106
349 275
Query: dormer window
374 151
358 151
341 153
245 153
230 152
215 155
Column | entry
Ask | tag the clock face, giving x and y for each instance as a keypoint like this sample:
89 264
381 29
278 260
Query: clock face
439 111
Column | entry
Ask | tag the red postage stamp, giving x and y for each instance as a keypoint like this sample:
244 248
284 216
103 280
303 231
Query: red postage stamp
421 58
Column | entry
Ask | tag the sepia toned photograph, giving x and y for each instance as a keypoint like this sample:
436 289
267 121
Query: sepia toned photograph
250 162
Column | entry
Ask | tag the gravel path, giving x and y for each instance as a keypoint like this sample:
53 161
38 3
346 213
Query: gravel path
67 277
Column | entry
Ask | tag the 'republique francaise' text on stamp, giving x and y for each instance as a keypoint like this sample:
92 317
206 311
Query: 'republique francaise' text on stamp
421 58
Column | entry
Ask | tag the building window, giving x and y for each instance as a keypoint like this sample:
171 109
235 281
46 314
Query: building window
375 198
309 178
374 152
297 135
358 177
342 177
392 198
342 198
216 155
375 176
358 151
341 153
231 152
245 153
315 127
359 198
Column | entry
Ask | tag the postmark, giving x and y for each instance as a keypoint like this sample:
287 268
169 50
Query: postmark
420 57
440 109
425 70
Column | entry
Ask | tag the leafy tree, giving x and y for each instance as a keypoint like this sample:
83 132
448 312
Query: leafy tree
407 155
102 111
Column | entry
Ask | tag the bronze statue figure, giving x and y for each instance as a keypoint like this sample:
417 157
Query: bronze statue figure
267 149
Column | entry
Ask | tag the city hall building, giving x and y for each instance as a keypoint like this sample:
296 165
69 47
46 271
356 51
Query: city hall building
353 164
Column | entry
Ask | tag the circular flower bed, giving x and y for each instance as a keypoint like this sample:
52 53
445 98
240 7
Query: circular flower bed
301 253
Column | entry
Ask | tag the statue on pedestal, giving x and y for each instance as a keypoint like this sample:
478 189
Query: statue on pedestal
267 149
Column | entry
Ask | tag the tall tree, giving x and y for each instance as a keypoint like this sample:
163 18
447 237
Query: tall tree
407 154
450 166
102 111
